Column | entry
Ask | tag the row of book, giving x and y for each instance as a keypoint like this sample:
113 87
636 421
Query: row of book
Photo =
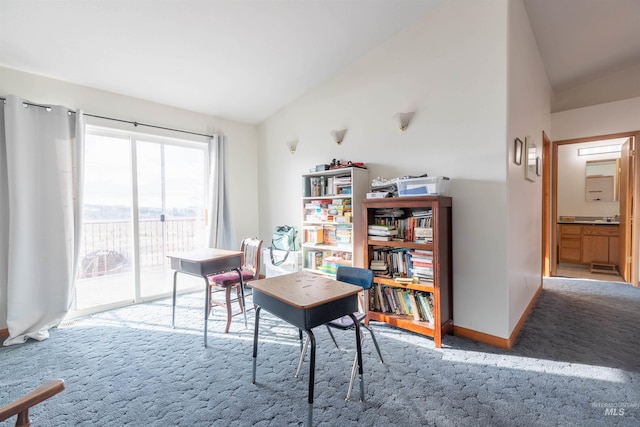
417 227
328 210
320 186
402 262
328 234
390 299
327 261
342 185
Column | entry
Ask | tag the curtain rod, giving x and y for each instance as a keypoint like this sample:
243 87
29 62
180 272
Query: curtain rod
47 107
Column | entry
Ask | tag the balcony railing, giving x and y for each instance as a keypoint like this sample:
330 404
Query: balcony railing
107 246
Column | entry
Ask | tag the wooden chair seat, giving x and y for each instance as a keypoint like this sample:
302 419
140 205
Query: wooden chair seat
230 281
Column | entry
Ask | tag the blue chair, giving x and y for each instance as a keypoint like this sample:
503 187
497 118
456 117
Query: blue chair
356 276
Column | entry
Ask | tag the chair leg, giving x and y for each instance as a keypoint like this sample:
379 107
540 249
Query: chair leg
375 341
354 368
303 353
239 297
227 296
354 371
332 337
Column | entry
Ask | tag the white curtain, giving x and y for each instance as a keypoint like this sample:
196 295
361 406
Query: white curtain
41 170
221 230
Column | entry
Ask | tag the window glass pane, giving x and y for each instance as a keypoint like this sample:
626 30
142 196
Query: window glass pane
105 273
171 184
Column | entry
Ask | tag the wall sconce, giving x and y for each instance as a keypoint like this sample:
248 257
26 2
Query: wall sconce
292 145
338 135
404 119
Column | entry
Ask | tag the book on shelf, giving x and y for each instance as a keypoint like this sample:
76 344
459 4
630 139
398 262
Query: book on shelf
380 238
381 227
378 265
414 306
422 214
343 234
424 264
379 232
391 212
342 179
423 231
426 305
403 300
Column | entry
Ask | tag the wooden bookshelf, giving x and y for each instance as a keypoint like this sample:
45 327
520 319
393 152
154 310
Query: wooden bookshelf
439 286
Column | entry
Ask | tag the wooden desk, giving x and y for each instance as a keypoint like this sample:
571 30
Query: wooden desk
306 300
203 263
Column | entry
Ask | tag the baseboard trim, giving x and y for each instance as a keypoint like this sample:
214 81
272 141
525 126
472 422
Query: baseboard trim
4 333
499 341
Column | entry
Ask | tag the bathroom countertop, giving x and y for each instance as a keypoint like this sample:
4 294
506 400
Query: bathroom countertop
584 219
593 222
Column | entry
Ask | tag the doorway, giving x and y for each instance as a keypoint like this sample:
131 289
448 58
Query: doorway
593 205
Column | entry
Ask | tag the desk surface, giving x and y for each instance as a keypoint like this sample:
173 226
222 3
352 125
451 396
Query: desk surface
305 290
205 254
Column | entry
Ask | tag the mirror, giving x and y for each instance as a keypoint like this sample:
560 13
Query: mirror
601 180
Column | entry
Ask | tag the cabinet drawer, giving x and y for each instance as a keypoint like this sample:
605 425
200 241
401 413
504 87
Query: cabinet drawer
571 255
597 230
570 229
570 243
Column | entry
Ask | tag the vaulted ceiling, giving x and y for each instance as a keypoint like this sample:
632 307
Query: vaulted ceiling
244 60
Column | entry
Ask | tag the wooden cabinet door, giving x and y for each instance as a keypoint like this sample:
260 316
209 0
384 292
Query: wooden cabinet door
595 249
614 251
570 250
570 243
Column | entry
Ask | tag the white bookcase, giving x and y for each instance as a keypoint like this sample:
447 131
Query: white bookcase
331 232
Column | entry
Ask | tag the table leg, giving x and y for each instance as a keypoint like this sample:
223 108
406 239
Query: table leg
312 370
173 312
359 355
207 304
244 303
255 344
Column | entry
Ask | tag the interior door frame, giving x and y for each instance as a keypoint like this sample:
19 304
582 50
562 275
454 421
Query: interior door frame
635 135
547 252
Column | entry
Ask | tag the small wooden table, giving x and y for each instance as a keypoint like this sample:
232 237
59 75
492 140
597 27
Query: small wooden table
204 263
306 300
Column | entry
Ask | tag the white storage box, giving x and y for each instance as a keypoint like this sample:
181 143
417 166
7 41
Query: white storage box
424 186
292 264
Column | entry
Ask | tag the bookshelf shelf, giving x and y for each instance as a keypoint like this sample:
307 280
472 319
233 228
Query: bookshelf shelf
425 307
422 286
331 215
411 245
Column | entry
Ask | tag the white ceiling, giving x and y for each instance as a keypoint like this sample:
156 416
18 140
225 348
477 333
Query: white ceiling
246 59
581 40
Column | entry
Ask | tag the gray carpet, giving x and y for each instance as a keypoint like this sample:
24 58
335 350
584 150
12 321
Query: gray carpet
575 363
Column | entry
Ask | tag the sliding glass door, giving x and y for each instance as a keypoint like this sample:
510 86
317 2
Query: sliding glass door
144 198
171 182
106 273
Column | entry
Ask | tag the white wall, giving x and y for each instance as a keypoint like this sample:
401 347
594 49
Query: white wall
243 158
529 109
621 84
596 120
450 67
